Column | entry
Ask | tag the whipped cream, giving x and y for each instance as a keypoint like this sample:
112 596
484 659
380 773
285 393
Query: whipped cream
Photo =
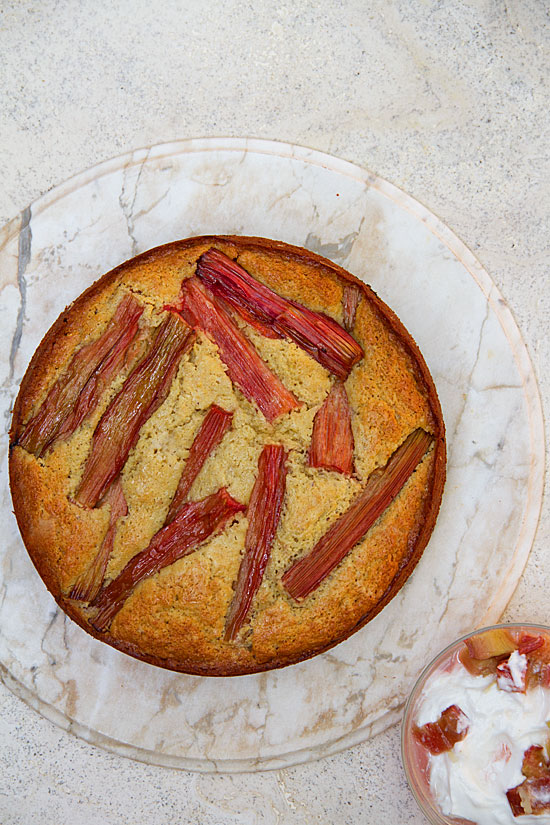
471 780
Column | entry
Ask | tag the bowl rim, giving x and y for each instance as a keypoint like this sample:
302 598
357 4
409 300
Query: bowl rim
434 815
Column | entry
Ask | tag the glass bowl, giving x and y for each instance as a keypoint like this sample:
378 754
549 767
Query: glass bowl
415 757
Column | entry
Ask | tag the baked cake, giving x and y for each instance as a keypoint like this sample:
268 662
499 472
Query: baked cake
226 456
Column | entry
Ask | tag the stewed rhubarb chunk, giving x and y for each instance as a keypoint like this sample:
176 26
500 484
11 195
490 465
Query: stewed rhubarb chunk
538 664
531 797
543 676
332 438
442 735
194 523
264 512
527 643
478 667
244 366
514 800
535 765
350 302
142 393
536 795
88 584
316 333
213 428
78 390
489 643
382 487
483 652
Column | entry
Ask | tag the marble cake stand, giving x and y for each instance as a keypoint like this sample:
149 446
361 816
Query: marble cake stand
77 231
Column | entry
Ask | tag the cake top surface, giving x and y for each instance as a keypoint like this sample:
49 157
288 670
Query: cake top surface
262 439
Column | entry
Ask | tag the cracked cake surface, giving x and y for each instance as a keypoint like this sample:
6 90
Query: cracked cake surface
289 407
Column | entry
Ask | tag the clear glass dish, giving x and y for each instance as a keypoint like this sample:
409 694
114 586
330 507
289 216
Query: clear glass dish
414 756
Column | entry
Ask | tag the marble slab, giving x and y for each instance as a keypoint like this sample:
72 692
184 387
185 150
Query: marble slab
77 231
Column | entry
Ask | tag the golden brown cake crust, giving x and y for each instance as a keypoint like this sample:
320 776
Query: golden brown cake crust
175 618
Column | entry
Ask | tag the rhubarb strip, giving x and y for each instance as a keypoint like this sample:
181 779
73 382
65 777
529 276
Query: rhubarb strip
350 302
195 522
382 487
264 512
266 330
213 428
320 336
120 357
77 392
142 393
332 438
244 366
88 585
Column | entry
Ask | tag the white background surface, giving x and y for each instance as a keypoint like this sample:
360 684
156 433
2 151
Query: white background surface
446 99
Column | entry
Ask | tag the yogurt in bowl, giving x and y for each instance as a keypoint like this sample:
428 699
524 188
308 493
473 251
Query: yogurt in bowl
476 735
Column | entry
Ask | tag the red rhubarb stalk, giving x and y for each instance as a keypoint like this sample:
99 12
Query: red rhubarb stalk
266 330
77 392
244 366
87 585
320 336
264 512
121 357
332 439
350 302
142 393
213 428
382 487
195 522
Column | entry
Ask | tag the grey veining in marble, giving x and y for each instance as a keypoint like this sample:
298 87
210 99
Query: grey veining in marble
491 408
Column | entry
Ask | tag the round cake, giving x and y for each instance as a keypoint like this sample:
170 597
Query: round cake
226 456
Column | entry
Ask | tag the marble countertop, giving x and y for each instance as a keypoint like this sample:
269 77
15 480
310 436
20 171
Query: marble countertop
446 100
